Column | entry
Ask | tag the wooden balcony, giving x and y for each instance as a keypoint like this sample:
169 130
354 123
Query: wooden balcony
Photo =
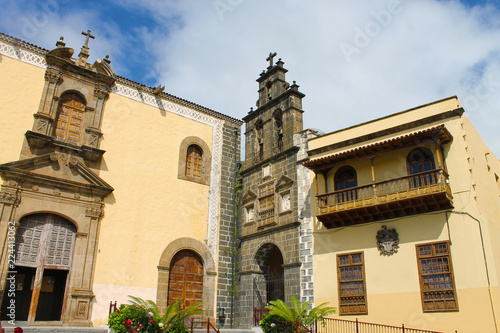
419 193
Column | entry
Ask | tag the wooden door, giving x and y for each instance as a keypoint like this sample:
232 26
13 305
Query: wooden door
43 255
185 279
70 118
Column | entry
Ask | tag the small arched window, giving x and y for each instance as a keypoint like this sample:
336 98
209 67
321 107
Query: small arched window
69 119
194 159
346 178
420 160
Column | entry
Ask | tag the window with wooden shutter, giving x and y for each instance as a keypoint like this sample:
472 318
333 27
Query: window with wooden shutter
194 161
351 283
69 121
437 284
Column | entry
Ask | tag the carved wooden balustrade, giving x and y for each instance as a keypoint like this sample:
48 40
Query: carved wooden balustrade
409 195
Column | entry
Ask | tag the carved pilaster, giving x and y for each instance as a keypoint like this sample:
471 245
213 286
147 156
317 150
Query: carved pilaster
101 92
54 78
94 212
43 123
94 136
10 199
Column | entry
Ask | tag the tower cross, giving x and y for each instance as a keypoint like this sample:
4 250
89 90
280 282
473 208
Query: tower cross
88 35
270 58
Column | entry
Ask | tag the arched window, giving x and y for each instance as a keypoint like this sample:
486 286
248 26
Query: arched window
346 178
420 161
194 159
69 119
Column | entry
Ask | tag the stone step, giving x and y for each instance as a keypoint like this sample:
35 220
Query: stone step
60 329
230 330
52 329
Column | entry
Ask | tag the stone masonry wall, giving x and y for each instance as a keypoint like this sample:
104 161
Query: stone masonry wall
227 219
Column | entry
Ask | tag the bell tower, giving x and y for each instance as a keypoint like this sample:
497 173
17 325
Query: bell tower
269 220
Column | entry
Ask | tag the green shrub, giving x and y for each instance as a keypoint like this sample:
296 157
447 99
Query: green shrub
117 320
143 316
275 324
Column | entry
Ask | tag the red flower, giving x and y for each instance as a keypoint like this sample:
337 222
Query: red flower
18 330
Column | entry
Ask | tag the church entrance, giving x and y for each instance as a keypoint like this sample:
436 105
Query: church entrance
185 278
43 255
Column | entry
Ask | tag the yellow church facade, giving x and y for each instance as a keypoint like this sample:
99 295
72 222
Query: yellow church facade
110 188
406 223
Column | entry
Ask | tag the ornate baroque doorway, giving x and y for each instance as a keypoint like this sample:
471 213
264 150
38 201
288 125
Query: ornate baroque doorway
186 278
43 255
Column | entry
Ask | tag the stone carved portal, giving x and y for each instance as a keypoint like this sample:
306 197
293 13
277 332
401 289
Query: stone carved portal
43 255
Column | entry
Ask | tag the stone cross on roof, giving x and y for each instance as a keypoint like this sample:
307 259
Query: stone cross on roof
84 53
270 58
88 35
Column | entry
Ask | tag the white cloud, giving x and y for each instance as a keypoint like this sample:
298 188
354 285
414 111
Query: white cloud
420 52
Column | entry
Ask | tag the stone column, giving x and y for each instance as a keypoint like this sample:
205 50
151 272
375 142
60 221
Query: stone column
81 293
46 114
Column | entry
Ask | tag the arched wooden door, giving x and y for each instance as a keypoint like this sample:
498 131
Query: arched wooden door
43 256
185 278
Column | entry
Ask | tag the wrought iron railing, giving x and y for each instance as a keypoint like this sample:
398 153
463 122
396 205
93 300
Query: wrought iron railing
399 188
201 324
113 307
355 326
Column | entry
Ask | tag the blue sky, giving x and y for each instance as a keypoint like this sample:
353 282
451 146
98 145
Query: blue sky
355 61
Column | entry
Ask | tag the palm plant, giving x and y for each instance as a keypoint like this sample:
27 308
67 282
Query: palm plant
299 312
173 316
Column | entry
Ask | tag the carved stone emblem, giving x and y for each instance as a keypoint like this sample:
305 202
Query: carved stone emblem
387 241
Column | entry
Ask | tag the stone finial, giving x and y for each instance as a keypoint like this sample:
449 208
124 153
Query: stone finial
158 90
60 43
106 59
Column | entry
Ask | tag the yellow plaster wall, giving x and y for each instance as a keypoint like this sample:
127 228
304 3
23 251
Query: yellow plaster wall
21 85
392 283
150 207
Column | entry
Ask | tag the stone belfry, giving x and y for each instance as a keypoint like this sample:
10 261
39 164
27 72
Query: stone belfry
270 229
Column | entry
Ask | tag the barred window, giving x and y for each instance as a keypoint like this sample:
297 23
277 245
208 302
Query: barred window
351 283
436 277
